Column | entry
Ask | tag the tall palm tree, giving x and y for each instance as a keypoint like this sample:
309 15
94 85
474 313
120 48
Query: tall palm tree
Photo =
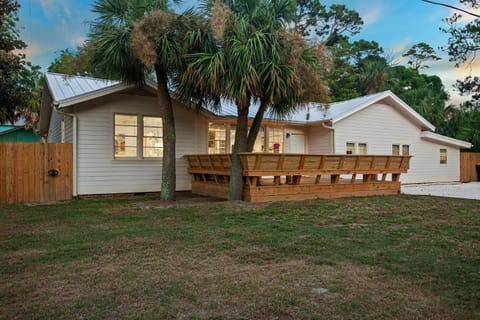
373 74
111 38
253 58
291 76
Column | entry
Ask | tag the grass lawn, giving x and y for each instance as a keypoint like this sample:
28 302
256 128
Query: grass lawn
398 257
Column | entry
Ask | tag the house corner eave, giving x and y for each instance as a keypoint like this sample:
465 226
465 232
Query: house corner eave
437 138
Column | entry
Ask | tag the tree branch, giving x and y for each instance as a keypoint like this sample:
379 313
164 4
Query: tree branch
452 7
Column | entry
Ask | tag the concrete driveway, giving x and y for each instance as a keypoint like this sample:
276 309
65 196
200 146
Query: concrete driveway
470 190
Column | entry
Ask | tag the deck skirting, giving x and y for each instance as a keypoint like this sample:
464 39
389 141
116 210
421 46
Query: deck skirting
303 192
295 192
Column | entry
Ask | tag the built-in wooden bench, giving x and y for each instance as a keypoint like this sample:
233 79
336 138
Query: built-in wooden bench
278 177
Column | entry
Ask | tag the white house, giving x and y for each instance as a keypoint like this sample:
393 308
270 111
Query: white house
116 132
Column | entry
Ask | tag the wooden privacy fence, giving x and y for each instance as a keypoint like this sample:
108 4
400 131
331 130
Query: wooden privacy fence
468 161
35 172
280 177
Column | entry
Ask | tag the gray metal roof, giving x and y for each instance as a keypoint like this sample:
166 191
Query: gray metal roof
337 110
228 109
67 90
64 87
315 112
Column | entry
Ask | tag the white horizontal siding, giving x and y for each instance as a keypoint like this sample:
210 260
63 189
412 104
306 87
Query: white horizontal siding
380 126
68 129
100 173
54 131
426 165
319 139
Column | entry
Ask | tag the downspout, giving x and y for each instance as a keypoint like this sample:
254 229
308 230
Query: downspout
74 169
332 137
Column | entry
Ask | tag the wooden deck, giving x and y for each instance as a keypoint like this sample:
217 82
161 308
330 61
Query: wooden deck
284 177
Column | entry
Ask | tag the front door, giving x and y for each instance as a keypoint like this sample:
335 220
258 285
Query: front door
297 143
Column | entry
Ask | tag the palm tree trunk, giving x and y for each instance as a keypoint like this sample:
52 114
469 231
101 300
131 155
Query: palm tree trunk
235 191
168 164
255 128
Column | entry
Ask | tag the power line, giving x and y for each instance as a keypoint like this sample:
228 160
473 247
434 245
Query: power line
452 7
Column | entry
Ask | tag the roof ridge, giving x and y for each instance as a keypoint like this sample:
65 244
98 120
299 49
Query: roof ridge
83 77
361 97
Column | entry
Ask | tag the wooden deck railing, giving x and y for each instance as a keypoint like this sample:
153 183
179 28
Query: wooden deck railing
262 171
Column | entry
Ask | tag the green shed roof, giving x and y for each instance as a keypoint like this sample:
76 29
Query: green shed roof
6 128
17 134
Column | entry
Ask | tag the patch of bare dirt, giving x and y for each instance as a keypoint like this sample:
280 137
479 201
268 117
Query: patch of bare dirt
196 201
29 229
180 203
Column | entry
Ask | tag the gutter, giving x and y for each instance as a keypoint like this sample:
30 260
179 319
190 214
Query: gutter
74 169
333 135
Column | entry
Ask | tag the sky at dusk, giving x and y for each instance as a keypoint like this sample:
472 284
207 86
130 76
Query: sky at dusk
48 26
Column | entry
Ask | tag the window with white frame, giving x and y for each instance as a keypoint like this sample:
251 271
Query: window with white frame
406 152
443 156
350 148
395 149
129 144
362 148
126 137
217 138
152 137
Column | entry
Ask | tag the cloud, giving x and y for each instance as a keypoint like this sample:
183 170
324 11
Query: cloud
370 12
77 39
465 18
33 50
467 69
448 68
57 9
449 75
402 46
66 30
394 54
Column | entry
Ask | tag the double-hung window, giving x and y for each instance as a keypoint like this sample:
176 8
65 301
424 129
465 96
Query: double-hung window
152 137
362 148
406 152
443 156
356 148
128 144
350 148
395 149
217 138
126 136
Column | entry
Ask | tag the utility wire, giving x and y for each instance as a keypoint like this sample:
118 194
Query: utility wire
452 7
